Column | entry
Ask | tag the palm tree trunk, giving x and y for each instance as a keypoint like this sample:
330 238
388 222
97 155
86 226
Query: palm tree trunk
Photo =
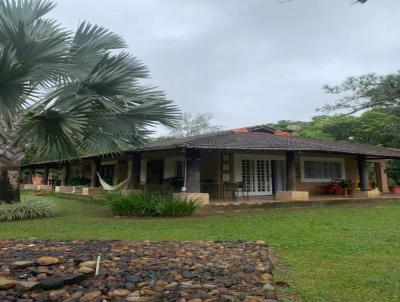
9 185
11 155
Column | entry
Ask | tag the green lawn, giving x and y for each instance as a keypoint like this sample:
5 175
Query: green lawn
343 253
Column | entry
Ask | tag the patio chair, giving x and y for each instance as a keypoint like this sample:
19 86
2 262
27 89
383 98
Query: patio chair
243 189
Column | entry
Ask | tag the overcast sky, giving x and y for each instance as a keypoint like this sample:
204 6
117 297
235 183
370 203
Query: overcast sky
249 61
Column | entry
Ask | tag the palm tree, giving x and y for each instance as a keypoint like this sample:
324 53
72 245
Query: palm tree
64 92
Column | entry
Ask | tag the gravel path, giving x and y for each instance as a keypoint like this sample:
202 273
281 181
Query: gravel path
36 270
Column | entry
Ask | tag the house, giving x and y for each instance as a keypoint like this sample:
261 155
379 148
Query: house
257 161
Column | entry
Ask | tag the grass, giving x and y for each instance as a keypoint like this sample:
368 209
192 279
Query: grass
343 253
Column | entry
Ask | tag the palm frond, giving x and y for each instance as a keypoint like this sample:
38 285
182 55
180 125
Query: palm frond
42 42
53 134
73 93
25 11
90 43
14 85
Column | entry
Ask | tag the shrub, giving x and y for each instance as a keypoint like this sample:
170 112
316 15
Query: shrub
174 206
147 204
25 210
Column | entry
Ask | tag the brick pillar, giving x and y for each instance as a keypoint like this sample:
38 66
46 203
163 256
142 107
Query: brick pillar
381 176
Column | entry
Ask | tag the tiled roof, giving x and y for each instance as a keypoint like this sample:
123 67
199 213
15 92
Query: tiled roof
258 140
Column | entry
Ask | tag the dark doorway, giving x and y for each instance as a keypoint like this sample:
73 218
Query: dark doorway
155 169
107 173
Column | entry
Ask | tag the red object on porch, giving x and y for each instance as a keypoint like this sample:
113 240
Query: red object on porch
335 186
395 189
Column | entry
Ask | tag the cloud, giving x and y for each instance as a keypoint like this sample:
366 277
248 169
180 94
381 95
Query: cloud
252 61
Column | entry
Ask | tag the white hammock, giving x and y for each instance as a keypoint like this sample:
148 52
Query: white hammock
107 187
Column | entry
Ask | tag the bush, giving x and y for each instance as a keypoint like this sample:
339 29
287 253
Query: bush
147 204
25 210
174 206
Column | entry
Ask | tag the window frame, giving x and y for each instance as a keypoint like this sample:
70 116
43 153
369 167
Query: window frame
321 159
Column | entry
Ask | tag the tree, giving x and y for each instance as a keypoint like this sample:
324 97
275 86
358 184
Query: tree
190 125
64 92
376 127
365 92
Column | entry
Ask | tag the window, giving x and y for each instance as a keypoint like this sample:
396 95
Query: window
322 169
226 167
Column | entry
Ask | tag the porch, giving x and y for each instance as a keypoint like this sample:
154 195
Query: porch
222 176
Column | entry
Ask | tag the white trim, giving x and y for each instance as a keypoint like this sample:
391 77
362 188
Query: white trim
143 171
237 158
170 166
320 159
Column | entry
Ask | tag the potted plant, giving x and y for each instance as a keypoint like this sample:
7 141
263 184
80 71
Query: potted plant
394 186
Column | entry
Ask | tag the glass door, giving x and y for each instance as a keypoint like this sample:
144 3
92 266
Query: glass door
256 175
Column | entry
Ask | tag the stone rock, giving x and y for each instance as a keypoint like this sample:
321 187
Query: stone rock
226 298
52 283
171 286
260 268
268 287
136 297
270 295
120 293
58 295
22 264
25 285
43 269
266 277
41 276
260 242
86 270
77 295
89 264
6 283
92 295
74 279
249 269
47 260
133 279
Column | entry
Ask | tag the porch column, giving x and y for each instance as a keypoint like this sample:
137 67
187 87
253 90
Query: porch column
93 174
192 171
64 174
381 176
277 175
290 171
45 178
134 171
363 172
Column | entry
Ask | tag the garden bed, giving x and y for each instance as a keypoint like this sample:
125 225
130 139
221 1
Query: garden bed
40 270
